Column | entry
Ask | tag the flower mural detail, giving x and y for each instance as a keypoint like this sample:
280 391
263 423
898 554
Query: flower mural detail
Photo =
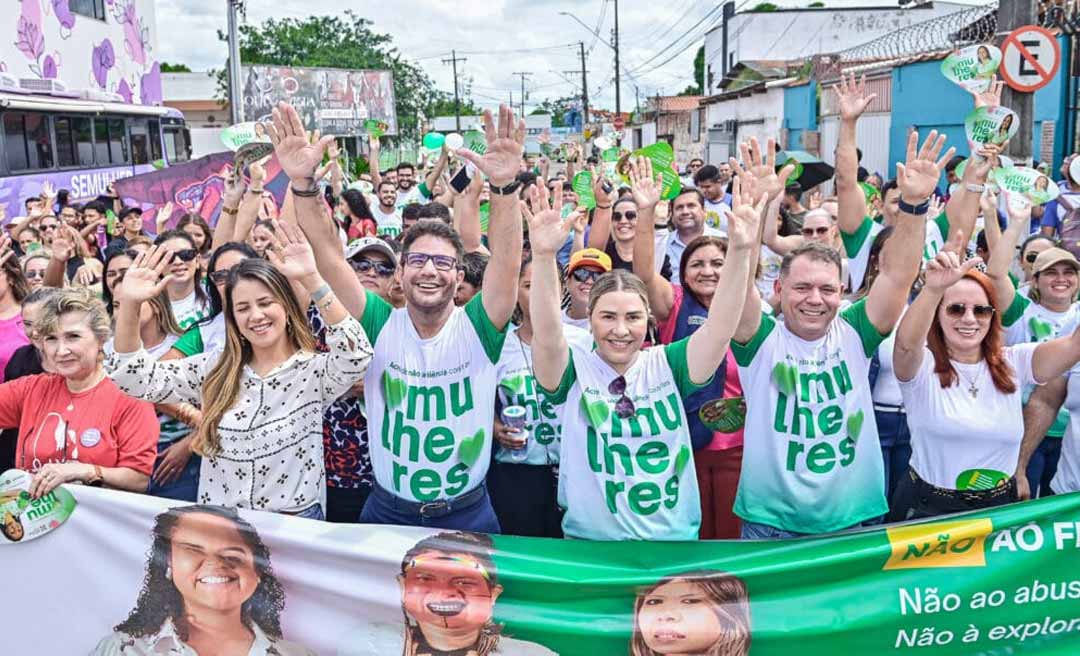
62 11
101 61
49 68
124 89
150 86
136 35
29 39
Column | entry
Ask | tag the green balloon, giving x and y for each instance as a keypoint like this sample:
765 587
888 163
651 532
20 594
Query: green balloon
433 140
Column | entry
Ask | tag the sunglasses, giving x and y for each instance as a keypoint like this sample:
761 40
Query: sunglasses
50 226
585 275
186 255
624 407
382 269
957 310
629 216
810 232
441 262
31 274
1031 257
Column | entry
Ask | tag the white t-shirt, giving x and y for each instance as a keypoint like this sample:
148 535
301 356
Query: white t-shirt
716 214
387 225
961 440
1027 321
857 245
634 478
581 324
430 402
1067 478
404 198
517 386
811 458
189 310
769 261
887 387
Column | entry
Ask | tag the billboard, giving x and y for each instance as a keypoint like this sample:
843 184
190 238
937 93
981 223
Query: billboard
334 100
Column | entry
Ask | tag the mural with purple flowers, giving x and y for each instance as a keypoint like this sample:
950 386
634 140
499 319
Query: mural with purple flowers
117 55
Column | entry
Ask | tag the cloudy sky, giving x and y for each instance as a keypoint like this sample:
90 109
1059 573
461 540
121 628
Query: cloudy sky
496 37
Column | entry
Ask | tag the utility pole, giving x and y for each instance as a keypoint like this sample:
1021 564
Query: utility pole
236 95
454 59
523 76
1011 15
584 86
618 101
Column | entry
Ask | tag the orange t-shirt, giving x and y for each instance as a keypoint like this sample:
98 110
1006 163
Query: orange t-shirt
99 426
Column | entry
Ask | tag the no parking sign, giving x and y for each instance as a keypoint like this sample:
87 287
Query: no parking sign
1030 58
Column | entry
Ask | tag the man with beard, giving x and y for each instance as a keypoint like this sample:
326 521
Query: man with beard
430 396
387 215
449 585
688 216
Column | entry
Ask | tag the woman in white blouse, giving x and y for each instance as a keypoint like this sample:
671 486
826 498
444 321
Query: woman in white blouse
962 388
263 398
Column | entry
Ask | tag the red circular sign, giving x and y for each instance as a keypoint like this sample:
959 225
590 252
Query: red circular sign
1030 58
619 123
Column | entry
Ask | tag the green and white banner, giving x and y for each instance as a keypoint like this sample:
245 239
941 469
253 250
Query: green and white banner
132 574
972 67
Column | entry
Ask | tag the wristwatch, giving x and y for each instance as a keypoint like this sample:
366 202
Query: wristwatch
507 190
916 210
97 478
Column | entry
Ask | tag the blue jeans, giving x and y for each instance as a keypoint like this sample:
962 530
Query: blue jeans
756 531
478 517
185 487
311 512
1043 466
895 441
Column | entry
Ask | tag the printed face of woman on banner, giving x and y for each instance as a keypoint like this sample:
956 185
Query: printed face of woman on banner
705 613
12 527
212 567
448 590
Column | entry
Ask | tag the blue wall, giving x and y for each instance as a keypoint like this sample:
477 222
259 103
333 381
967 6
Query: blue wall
924 99
800 113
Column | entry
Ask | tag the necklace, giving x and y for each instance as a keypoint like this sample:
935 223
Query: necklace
973 389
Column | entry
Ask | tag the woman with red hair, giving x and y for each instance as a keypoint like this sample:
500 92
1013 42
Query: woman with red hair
962 390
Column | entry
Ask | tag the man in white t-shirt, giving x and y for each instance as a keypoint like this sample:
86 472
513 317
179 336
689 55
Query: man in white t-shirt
430 390
688 216
387 216
811 460
715 202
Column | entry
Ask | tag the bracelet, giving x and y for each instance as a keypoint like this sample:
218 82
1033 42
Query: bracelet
327 303
603 207
976 188
255 191
319 293
914 210
230 210
304 194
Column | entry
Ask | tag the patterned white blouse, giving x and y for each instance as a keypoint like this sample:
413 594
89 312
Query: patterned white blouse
271 455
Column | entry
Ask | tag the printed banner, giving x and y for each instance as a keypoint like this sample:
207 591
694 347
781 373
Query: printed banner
197 186
1025 185
242 134
336 101
133 574
990 125
973 67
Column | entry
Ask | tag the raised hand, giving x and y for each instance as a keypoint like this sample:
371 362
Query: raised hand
602 196
980 165
161 219
852 98
918 176
936 207
1018 213
547 229
643 183
258 175
991 97
291 253
762 168
64 243
947 268
505 144
234 189
744 220
6 252
146 277
48 194
814 201
298 154
988 203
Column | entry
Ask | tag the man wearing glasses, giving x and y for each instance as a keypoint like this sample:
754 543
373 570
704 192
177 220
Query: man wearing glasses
430 391
374 263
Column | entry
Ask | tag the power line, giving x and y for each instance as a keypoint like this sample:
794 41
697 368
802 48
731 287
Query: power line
637 69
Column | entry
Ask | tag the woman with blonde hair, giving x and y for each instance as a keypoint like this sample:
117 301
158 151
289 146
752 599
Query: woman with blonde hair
695 613
263 397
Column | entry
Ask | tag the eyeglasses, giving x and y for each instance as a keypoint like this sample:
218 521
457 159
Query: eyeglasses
957 310
186 255
31 274
820 231
624 407
619 216
585 275
441 262
382 269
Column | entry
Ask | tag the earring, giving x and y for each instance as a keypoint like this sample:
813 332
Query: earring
168 572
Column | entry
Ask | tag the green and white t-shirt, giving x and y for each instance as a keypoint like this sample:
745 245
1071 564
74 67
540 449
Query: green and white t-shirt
1026 321
430 402
857 244
811 458
413 195
517 386
386 225
628 479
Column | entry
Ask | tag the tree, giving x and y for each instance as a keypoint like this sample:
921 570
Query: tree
696 89
166 67
558 109
346 41
443 105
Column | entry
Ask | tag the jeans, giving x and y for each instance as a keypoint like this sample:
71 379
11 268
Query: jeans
185 487
1043 466
312 512
478 517
756 531
895 441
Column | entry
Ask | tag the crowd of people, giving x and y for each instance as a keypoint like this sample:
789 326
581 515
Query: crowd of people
497 356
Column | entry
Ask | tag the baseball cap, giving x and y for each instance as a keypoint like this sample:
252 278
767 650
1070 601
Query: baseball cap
1052 256
589 257
358 246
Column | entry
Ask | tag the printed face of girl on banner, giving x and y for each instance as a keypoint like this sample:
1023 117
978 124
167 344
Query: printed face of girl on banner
704 613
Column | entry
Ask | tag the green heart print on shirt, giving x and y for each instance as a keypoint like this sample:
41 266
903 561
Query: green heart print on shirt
786 378
470 447
1040 330
682 459
514 384
394 389
596 412
854 425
